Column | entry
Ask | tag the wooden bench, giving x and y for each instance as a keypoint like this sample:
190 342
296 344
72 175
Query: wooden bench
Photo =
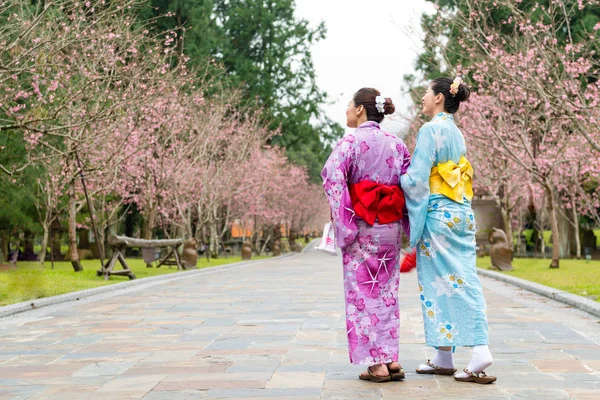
118 245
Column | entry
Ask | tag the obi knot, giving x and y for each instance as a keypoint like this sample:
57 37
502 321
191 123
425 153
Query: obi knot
372 201
452 180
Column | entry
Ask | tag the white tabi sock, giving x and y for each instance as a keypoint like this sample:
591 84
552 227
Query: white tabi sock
442 359
480 360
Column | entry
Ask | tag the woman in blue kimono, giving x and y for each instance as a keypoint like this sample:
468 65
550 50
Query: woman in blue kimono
438 192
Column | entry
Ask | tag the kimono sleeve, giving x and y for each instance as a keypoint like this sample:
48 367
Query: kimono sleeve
415 183
337 169
404 153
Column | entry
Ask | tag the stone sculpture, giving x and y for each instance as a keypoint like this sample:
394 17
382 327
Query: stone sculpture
246 250
501 251
189 254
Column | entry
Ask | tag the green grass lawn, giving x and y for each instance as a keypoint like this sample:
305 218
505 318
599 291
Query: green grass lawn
31 281
548 233
574 276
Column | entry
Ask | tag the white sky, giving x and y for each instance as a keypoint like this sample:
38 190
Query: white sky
368 44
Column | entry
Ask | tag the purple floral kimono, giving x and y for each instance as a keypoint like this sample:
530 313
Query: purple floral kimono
370 252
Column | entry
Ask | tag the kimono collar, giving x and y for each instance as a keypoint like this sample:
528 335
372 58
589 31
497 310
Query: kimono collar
369 124
443 117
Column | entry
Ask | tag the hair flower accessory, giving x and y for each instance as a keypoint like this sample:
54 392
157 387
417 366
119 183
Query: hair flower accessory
380 104
455 85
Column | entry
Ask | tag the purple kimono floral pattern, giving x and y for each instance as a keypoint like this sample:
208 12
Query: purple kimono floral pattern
370 253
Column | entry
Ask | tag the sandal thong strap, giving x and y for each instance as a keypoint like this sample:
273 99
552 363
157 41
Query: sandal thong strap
432 365
388 365
481 374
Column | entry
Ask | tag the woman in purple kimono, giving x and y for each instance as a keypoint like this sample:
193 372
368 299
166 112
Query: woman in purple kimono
361 180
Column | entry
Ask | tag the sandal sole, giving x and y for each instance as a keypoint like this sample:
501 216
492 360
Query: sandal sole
482 381
436 371
376 380
398 376
395 375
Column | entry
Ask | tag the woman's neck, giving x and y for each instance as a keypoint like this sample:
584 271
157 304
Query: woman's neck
361 120
438 109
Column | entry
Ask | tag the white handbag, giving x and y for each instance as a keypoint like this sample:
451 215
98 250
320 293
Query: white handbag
328 245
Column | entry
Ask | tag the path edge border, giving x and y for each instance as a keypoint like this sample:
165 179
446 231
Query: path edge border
590 306
35 304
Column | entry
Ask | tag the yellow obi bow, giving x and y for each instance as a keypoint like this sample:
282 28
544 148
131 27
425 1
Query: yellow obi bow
452 180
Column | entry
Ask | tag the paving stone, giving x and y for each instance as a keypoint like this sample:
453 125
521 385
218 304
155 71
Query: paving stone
263 393
176 395
295 380
583 394
169 356
556 394
136 384
553 366
220 322
103 368
206 385
352 394
229 344
20 392
240 366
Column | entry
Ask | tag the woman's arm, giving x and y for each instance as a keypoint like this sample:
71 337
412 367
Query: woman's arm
335 174
405 164
415 183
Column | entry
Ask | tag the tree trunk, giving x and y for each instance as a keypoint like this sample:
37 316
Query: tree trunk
507 225
257 247
101 239
576 228
84 239
267 240
214 232
564 230
214 239
554 227
42 255
15 256
149 223
540 230
28 252
55 237
188 224
4 249
72 230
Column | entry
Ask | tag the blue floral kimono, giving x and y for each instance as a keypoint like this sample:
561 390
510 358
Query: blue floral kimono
438 190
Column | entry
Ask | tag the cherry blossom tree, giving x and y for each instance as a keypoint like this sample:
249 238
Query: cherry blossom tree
93 94
69 66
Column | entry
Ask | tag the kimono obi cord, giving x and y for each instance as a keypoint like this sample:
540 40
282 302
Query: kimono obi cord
372 201
452 180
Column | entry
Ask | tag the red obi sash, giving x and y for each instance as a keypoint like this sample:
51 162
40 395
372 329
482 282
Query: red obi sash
372 201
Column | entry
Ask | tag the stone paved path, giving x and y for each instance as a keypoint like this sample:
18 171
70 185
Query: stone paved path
275 330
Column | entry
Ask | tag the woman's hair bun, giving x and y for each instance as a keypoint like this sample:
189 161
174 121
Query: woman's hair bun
389 107
463 92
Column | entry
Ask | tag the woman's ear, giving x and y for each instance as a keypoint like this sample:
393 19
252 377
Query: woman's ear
439 98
